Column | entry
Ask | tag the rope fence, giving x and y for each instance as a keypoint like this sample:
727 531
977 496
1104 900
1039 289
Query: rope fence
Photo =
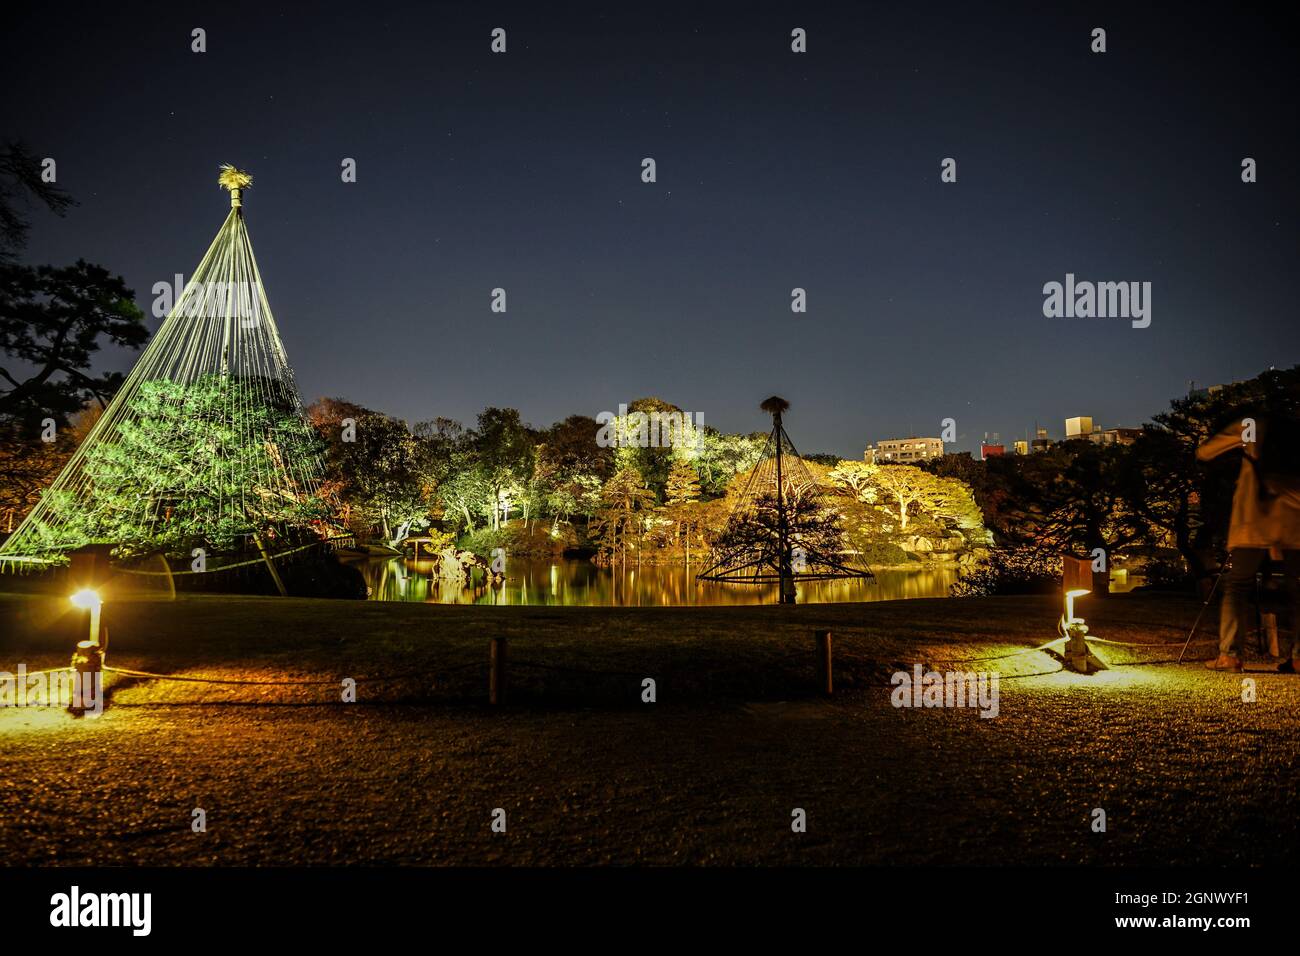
500 662
375 679
586 671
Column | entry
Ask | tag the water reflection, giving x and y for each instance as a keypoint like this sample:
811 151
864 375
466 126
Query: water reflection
581 582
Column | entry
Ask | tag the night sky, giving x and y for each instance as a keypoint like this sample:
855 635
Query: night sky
775 170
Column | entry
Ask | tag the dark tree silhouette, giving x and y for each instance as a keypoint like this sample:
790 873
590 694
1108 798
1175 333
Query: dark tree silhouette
20 183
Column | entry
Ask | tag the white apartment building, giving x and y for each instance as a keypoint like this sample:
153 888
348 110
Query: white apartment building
904 450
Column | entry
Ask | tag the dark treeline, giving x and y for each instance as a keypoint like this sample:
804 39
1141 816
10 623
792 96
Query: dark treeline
1149 500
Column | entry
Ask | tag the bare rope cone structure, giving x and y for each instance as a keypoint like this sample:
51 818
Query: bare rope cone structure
784 527
205 445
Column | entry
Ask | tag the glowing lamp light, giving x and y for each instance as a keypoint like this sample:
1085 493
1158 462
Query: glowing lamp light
1069 604
1076 581
87 599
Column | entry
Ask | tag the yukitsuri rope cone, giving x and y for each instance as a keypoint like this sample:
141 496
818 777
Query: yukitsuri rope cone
783 528
205 444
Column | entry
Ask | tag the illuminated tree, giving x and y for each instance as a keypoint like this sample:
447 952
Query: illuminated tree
625 502
373 467
178 473
812 529
203 443
504 448
909 493
680 493
28 464
578 495
651 437
724 456
683 484
783 526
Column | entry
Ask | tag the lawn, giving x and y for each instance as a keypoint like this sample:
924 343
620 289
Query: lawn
588 773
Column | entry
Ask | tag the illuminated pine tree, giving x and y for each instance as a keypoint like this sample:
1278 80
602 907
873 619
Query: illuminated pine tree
624 503
200 465
205 442
683 484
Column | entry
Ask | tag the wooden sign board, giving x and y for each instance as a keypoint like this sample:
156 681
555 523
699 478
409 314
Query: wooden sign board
1076 574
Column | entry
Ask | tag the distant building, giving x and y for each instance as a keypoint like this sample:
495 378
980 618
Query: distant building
1083 428
1194 392
1116 436
1078 427
992 451
904 450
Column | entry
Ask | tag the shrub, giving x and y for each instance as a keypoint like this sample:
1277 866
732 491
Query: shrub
887 554
1161 574
484 540
1010 571
517 541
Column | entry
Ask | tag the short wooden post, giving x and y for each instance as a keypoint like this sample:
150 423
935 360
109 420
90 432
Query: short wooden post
87 666
825 670
498 648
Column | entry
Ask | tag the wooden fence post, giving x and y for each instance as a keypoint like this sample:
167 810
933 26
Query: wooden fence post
825 670
498 648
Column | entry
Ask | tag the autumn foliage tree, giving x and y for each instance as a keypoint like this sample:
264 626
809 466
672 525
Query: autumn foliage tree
915 499
372 468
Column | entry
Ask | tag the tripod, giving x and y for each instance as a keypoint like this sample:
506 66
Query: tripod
1208 598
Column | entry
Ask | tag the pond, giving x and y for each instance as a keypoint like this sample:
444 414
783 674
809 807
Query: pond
574 582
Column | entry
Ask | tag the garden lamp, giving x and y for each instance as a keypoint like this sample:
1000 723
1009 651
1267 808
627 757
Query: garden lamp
88 657
87 599
1076 581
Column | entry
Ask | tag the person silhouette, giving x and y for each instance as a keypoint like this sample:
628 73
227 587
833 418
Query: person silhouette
1265 522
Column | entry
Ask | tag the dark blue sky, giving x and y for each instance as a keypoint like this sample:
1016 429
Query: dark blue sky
775 170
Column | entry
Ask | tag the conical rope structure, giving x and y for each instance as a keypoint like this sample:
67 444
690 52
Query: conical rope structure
784 527
205 445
